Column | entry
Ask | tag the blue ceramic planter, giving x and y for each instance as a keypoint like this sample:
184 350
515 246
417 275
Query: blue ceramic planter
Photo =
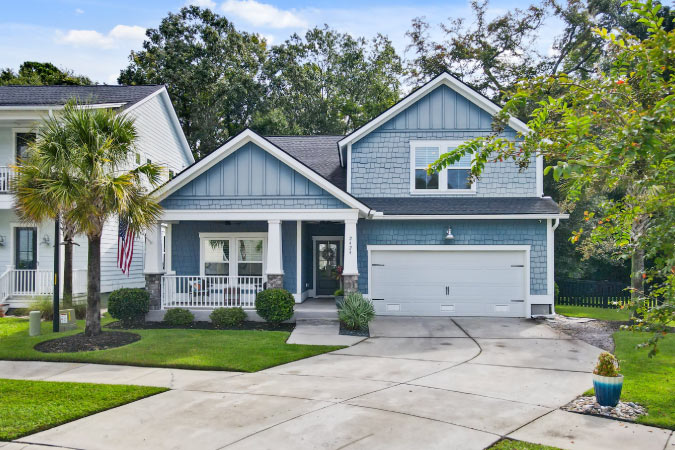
607 389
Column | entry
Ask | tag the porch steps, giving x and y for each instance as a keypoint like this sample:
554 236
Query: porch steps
316 309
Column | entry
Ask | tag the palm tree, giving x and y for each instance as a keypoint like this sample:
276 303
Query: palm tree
37 202
94 184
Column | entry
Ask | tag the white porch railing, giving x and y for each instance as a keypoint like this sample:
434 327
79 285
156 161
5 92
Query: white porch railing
27 282
6 175
210 291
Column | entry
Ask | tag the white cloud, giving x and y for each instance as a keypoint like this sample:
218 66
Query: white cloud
79 11
202 3
263 14
93 38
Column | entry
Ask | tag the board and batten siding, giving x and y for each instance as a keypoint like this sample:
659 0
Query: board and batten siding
380 161
251 178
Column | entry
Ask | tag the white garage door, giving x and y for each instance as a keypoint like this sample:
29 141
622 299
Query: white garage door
448 282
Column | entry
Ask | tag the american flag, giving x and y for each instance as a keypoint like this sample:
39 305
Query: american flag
125 246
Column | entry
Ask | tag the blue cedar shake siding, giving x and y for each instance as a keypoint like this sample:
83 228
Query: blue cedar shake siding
466 232
251 178
380 165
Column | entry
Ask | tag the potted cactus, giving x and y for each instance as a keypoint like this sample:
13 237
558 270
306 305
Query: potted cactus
607 381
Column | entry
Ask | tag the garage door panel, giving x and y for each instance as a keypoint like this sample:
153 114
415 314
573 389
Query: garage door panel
426 282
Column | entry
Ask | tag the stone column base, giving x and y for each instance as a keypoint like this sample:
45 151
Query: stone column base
275 281
350 283
153 284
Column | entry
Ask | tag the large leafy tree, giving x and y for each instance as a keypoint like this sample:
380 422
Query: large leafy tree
211 71
612 132
91 184
37 73
328 83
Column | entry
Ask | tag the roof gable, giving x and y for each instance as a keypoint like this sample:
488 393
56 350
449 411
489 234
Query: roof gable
305 180
463 93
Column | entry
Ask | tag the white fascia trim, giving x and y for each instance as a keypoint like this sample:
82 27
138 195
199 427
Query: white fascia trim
259 214
469 217
349 168
447 80
239 141
540 175
446 248
56 107
174 120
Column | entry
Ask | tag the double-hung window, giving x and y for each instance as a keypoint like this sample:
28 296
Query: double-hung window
454 179
234 255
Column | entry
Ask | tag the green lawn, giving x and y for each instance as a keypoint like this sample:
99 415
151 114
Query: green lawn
508 444
611 314
648 381
235 350
31 406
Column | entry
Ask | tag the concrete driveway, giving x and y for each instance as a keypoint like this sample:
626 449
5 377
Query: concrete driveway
423 383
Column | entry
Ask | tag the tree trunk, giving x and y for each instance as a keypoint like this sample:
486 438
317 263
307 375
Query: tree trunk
93 319
637 268
68 270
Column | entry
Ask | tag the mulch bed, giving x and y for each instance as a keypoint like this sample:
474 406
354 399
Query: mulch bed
81 343
595 332
248 325
346 331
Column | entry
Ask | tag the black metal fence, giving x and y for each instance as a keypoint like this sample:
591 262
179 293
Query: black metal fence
595 294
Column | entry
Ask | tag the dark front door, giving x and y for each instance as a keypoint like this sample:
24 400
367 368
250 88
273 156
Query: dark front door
25 258
328 258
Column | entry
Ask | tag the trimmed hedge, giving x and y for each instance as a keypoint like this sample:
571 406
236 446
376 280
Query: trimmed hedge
227 317
275 305
129 305
179 317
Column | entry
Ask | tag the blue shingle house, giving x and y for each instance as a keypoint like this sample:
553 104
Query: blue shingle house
314 213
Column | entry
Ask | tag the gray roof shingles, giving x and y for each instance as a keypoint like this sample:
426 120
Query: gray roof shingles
319 153
59 95
462 205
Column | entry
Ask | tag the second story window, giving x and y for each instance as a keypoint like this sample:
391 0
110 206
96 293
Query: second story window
455 179
23 141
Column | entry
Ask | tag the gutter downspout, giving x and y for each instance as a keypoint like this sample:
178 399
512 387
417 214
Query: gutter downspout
557 222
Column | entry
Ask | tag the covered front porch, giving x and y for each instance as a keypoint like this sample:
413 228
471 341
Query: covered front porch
211 259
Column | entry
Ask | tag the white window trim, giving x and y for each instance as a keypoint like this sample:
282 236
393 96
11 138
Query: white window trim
443 174
16 131
234 258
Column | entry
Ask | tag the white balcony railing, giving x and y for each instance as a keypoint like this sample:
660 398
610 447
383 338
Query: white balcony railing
6 176
210 291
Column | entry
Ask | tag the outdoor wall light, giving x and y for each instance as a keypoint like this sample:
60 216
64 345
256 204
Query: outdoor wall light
46 240
449 235
2 240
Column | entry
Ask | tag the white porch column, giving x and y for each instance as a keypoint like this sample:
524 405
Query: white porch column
350 271
153 250
274 269
350 262
153 265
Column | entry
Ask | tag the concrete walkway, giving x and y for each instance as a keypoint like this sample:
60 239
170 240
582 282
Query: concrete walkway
418 383
316 323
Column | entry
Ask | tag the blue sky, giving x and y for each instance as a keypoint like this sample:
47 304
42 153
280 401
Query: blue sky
94 37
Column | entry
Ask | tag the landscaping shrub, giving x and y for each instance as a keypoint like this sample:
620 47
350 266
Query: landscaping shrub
356 311
179 317
46 307
80 310
227 317
275 305
128 305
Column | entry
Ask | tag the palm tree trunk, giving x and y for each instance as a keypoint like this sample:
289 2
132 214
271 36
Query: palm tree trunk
68 270
93 319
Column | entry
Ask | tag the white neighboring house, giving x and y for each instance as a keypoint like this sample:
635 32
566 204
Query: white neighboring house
26 250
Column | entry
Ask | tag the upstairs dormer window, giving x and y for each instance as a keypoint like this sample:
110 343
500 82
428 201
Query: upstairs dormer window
452 180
